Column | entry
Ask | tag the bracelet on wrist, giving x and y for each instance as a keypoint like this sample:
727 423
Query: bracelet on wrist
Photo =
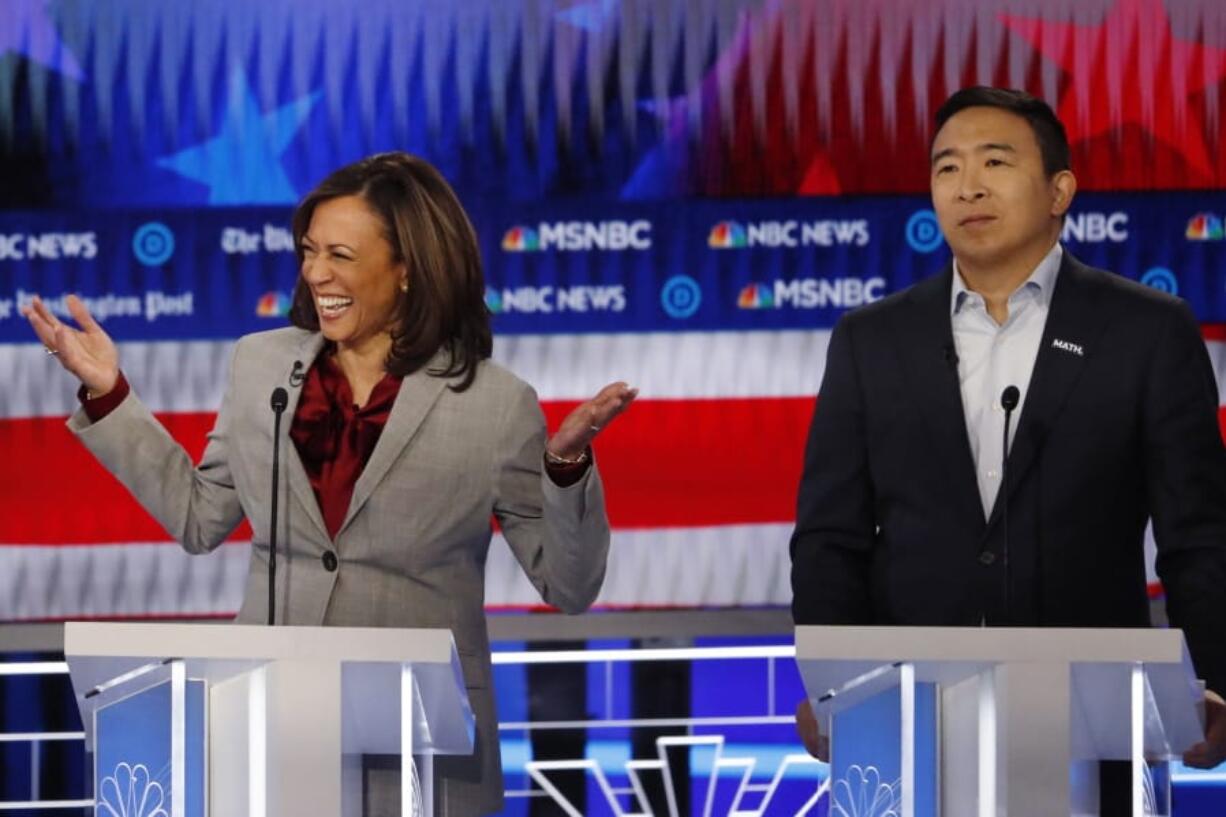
553 459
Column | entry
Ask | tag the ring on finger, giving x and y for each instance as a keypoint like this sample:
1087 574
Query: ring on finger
51 351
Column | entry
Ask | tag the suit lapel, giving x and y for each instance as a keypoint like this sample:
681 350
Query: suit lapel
418 394
300 484
1074 324
925 342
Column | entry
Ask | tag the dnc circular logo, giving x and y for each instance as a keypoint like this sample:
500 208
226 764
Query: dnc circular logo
153 244
681 296
923 231
1161 279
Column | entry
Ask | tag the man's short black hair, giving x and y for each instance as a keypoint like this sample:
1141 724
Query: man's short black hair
1048 130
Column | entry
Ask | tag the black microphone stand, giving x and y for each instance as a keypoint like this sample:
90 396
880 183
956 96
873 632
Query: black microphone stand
1008 401
279 400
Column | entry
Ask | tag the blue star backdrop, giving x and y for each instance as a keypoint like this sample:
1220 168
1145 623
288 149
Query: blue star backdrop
139 104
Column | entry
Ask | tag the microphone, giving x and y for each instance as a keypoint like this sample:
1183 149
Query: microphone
1008 401
296 375
278 402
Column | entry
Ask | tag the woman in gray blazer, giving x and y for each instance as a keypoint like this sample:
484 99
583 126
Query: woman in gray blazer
403 440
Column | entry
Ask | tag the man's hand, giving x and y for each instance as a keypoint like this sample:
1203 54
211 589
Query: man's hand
1212 750
810 731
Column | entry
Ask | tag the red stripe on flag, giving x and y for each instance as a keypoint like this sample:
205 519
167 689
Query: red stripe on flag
666 463
677 463
686 463
54 491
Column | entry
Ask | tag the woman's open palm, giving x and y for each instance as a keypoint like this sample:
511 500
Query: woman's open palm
88 352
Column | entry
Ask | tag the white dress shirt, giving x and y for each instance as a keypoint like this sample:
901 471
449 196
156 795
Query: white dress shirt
993 356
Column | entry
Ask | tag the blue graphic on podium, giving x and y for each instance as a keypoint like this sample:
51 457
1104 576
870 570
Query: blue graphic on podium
132 761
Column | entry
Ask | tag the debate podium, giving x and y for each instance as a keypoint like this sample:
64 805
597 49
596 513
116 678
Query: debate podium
981 722
228 719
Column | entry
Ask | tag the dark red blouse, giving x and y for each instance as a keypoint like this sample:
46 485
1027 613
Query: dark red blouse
334 437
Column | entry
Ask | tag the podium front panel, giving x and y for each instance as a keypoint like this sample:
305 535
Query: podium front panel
883 752
135 748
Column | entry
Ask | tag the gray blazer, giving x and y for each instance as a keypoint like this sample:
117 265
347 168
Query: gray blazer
411 551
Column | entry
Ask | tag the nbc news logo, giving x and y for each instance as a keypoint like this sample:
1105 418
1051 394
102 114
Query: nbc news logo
733 235
727 235
1204 227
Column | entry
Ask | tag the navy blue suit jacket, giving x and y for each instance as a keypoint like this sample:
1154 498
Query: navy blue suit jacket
1119 425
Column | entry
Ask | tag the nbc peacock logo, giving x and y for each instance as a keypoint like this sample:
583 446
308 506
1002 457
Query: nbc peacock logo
1205 227
520 239
727 235
272 305
493 300
756 296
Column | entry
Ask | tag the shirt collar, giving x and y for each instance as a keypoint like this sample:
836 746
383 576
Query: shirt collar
1041 281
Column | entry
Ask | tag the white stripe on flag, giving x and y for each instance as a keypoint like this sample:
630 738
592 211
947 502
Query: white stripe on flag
728 565
190 376
131 579
670 365
717 566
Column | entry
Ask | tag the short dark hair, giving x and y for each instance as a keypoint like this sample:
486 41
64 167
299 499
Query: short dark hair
1048 130
431 235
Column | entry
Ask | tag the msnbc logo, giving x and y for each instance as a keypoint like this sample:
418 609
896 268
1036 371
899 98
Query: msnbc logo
726 235
520 239
1204 227
756 296
812 293
272 305
579 236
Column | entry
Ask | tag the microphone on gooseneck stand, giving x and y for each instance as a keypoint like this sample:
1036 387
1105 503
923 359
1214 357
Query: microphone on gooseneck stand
1008 401
278 401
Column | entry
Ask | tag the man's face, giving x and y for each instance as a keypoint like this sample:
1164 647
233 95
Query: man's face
992 197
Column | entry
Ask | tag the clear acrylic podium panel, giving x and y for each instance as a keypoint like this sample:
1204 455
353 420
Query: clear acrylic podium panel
137 750
195 735
987 722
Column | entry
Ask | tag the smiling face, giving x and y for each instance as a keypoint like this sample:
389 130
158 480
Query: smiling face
351 270
994 200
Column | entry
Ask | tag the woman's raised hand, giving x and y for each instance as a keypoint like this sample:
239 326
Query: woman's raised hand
587 420
88 352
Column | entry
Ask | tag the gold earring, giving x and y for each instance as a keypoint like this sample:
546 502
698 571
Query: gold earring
404 286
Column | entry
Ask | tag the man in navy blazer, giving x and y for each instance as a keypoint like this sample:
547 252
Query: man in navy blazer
905 500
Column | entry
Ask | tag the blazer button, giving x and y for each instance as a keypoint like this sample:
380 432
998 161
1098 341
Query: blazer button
985 558
329 560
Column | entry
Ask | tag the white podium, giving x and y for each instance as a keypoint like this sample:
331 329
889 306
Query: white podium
979 722
231 719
